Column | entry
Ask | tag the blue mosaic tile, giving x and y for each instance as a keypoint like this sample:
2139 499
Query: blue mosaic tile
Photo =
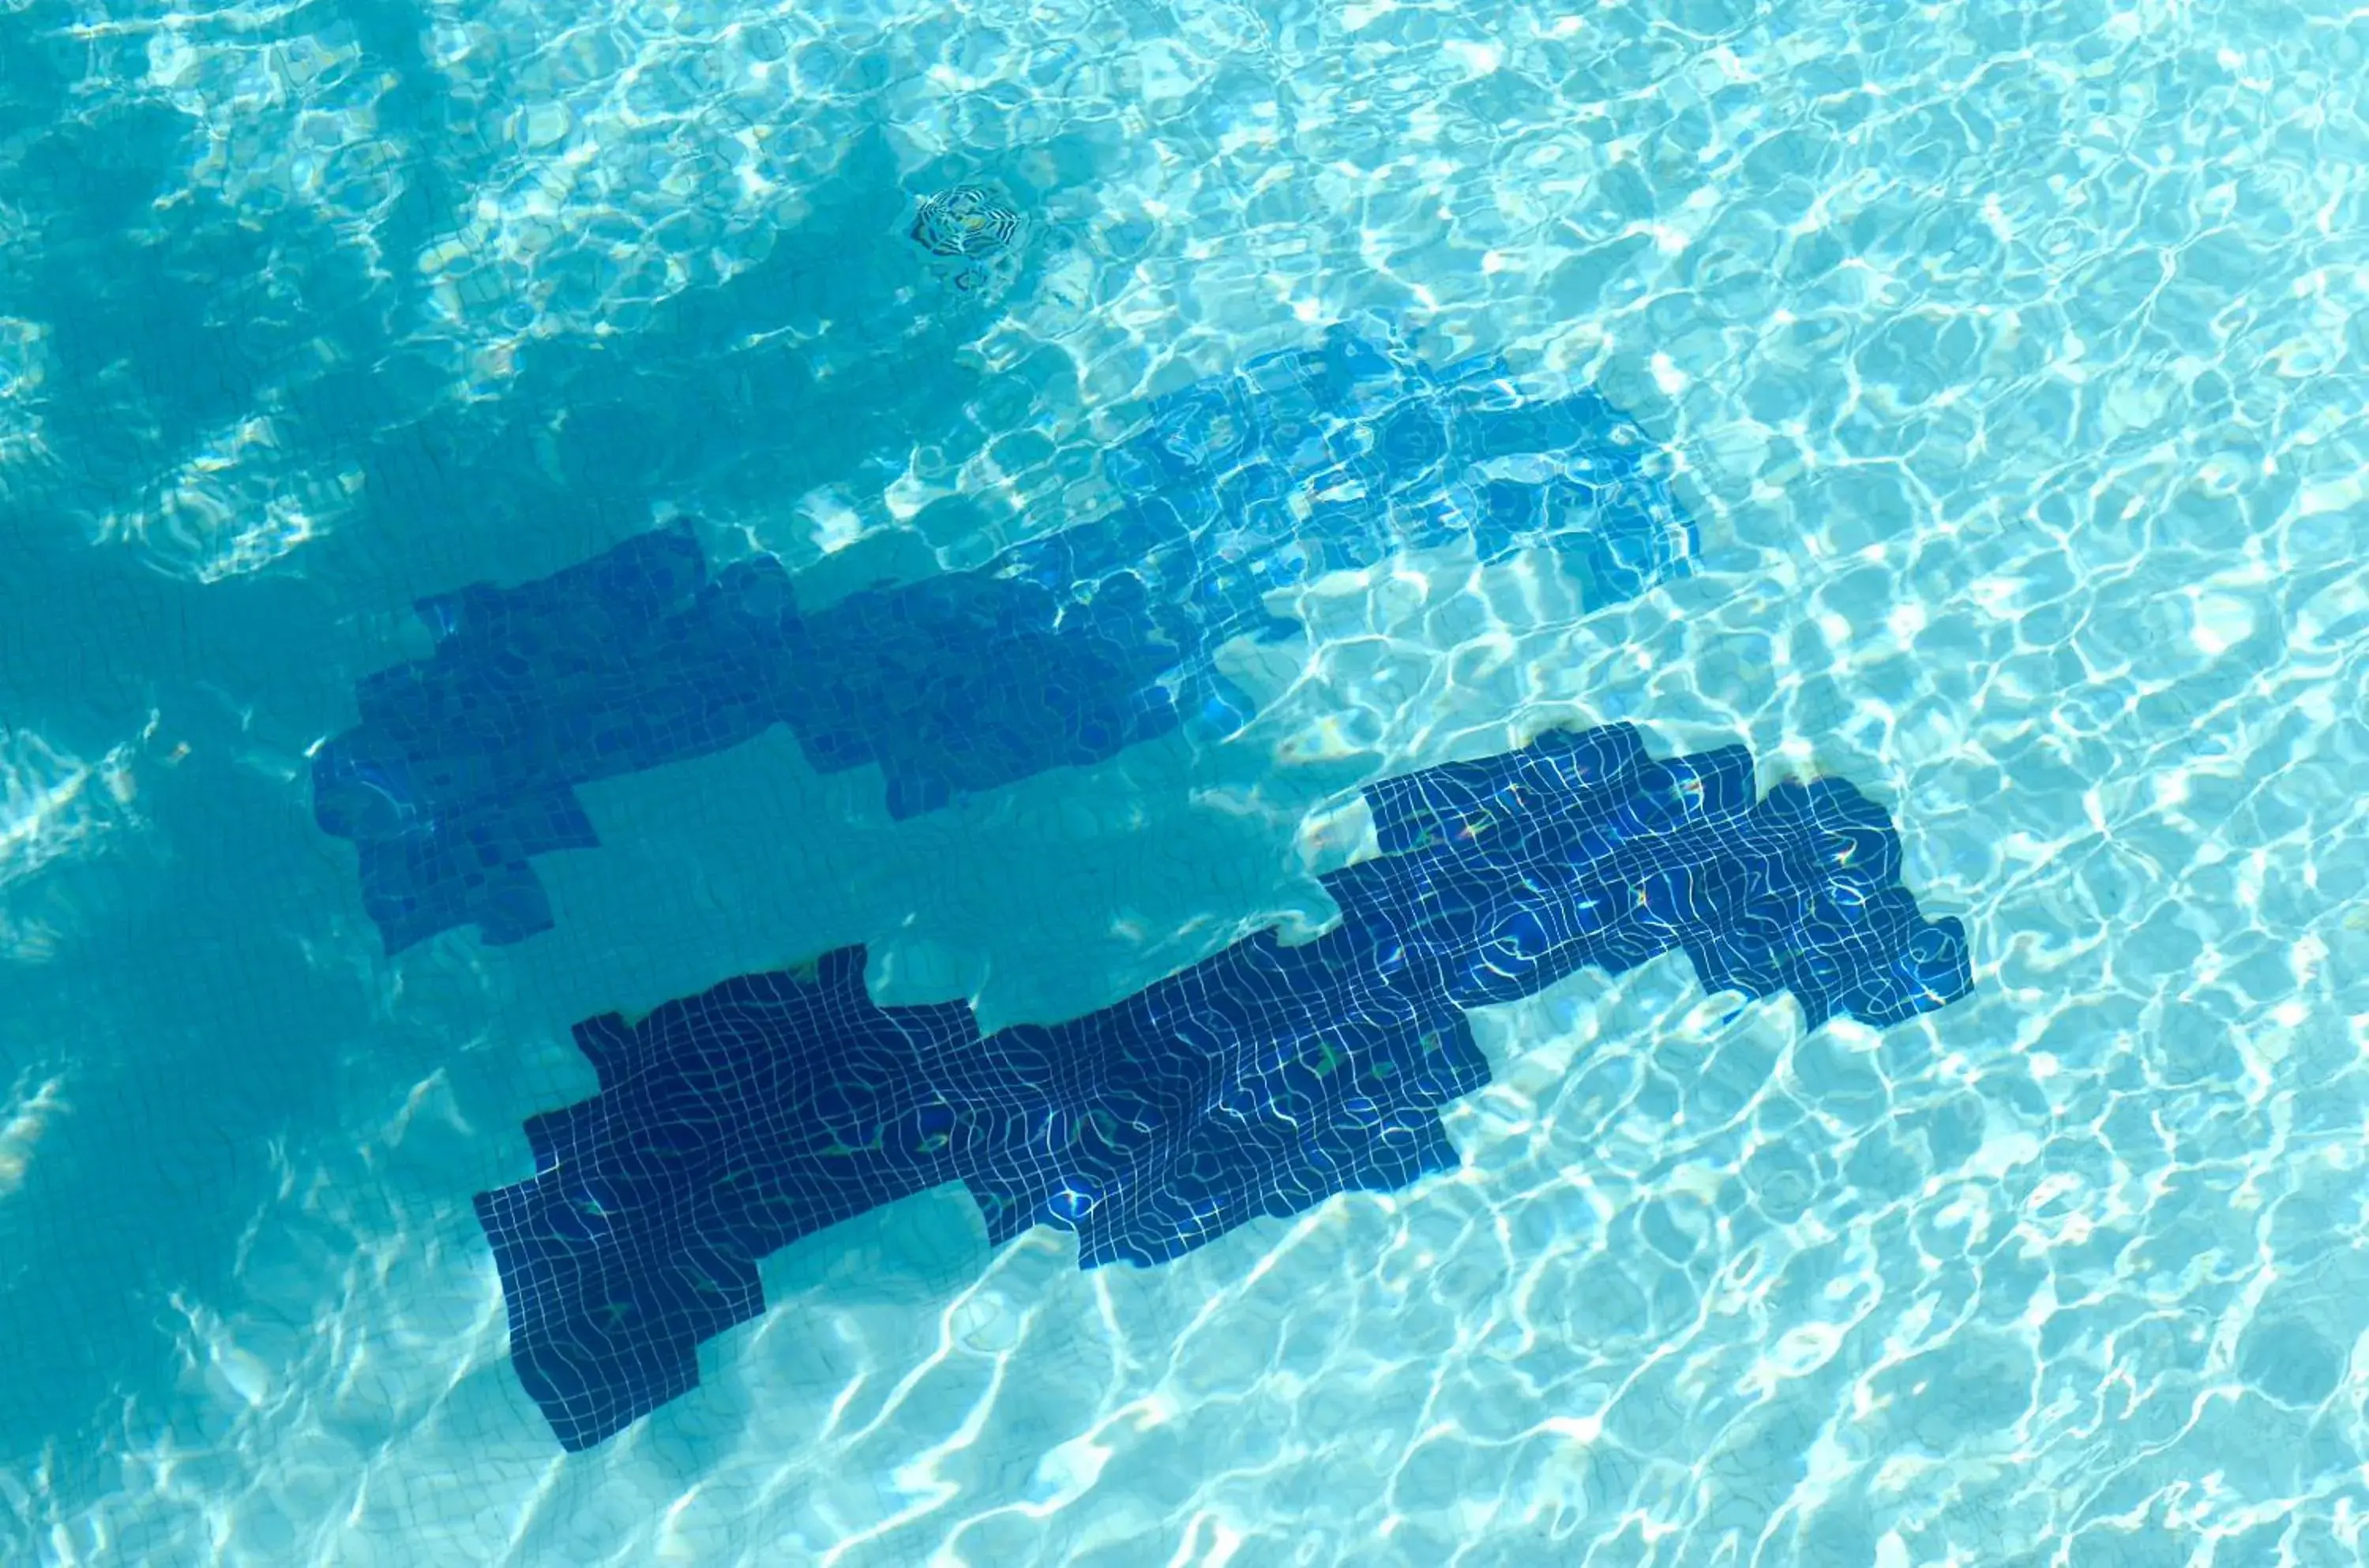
1060 652
1259 1082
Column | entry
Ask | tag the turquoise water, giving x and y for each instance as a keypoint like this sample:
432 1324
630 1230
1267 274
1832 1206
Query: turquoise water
2012 362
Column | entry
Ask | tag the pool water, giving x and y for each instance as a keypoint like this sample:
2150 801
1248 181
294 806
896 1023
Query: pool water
2010 364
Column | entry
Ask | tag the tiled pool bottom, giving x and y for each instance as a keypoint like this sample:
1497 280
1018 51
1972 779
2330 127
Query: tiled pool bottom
1257 1083
1348 456
2011 351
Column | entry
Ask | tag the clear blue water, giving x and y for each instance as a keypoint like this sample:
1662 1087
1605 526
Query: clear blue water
2012 362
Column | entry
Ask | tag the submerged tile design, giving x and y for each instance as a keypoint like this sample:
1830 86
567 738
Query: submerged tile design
1259 1082
1060 652
973 235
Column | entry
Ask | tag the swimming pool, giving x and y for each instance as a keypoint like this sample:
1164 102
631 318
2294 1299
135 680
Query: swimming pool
2003 370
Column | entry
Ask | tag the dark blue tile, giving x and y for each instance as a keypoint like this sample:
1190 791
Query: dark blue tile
1060 652
1259 1082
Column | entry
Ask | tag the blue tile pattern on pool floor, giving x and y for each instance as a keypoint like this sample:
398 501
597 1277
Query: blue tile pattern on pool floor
1259 1082
1060 652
